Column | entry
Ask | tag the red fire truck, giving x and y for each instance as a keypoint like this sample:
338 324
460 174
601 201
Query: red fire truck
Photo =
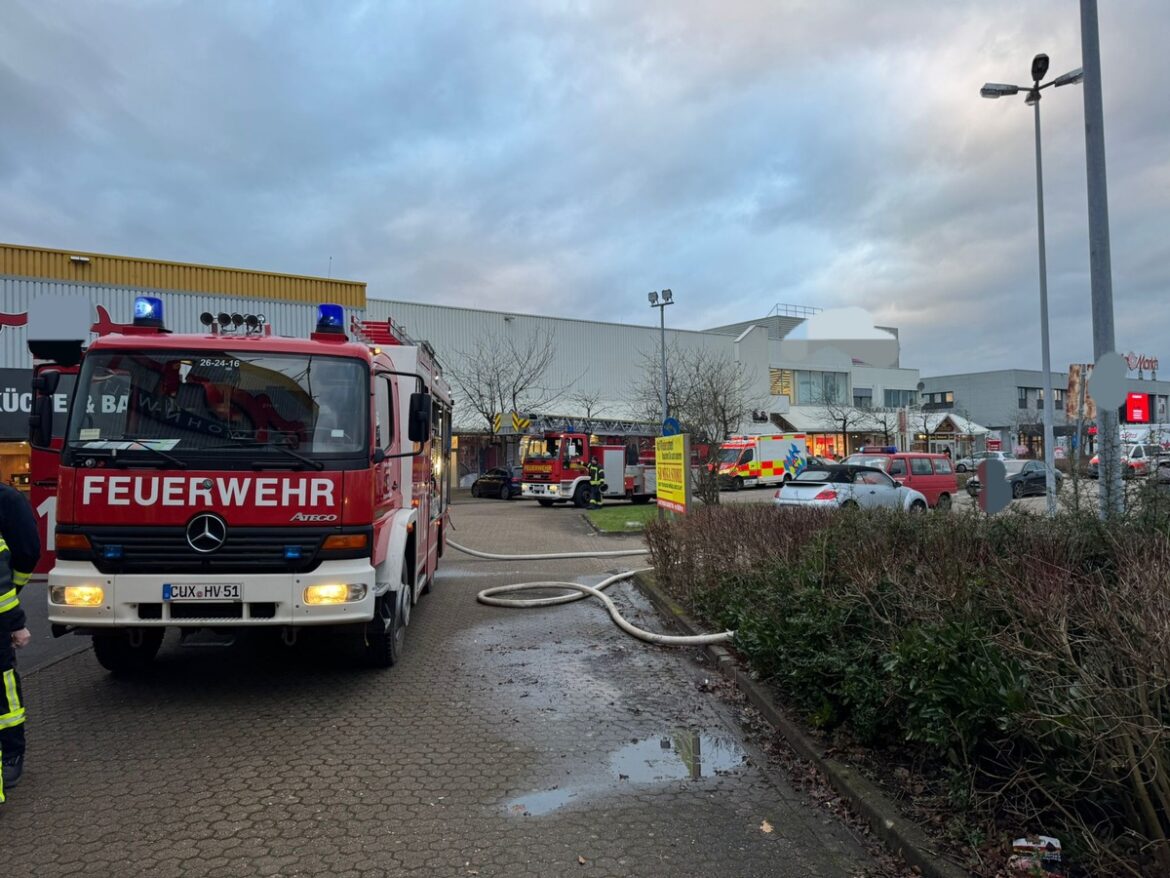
239 479
558 471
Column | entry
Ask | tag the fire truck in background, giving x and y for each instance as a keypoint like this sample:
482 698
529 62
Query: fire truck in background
237 479
744 461
558 471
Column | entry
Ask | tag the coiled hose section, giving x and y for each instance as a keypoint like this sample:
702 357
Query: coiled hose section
577 591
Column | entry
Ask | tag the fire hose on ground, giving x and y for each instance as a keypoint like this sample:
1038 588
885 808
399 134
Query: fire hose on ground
577 591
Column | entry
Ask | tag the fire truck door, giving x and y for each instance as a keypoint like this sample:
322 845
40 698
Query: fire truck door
43 466
614 470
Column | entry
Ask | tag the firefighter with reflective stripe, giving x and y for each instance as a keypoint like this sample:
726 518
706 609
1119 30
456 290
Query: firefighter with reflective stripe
20 549
594 483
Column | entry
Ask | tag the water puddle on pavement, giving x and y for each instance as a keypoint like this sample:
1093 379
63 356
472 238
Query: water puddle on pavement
676 757
682 755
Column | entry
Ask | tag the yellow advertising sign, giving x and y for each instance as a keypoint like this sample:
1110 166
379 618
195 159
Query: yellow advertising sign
673 471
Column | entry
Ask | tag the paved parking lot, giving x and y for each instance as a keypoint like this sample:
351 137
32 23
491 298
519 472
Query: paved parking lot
507 743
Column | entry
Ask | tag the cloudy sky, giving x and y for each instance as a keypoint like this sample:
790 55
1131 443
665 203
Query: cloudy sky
566 157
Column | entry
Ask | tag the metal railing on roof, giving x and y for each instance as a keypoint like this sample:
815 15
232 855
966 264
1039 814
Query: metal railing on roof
783 309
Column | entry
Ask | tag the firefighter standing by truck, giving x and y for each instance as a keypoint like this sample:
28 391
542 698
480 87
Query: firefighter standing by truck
20 549
594 483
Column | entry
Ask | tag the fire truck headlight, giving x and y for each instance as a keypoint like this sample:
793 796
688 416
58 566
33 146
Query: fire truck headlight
334 593
77 595
552 489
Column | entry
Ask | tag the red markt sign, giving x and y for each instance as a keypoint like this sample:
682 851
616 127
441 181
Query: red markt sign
994 444
1137 408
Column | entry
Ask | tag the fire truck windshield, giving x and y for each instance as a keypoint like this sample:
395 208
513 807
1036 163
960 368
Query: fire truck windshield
239 404
556 448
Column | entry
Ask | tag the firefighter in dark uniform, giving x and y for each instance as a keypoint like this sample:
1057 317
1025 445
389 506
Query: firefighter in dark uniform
594 484
20 549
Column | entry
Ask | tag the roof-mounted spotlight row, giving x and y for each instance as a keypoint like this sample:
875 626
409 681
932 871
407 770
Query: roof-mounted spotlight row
225 322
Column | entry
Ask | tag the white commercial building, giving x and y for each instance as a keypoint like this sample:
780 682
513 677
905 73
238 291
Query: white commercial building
802 365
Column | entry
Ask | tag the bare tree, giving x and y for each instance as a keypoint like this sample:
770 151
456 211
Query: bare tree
588 404
506 373
710 395
843 418
884 421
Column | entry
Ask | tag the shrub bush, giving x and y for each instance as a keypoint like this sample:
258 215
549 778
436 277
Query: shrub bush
1030 655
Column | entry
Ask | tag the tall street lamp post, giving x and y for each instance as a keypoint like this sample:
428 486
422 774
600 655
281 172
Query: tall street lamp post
1032 97
667 299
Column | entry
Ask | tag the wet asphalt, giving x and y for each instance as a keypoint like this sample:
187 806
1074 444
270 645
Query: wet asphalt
505 743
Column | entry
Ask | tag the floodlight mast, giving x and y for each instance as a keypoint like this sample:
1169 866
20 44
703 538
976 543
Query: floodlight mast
1032 99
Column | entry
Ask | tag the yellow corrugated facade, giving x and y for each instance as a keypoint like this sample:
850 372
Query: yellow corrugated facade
151 274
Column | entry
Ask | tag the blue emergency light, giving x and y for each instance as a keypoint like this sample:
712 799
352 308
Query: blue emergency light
330 318
148 311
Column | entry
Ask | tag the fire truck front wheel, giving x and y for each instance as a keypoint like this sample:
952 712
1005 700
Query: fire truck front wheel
384 635
126 652
581 496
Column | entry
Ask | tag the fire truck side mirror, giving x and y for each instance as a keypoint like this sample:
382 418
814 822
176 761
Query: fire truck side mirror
45 383
419 427
40 422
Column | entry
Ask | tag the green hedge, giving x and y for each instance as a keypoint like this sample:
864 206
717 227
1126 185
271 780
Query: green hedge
1026 659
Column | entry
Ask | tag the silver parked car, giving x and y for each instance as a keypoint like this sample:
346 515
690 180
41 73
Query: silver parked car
965 464
862 487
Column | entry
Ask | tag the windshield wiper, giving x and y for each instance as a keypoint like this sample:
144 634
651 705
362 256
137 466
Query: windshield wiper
249 442
138 445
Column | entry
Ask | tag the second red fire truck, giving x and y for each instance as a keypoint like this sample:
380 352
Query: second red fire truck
558 471
237 479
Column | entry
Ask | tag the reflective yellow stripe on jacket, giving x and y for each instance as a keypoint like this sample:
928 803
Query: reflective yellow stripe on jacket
14 714
8 600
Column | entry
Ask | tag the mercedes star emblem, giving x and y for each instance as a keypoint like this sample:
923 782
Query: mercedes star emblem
206 533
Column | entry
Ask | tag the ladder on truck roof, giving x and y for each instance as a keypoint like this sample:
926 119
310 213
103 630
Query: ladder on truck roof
379 332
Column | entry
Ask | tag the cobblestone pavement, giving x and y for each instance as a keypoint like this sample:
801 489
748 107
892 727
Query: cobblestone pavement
506 743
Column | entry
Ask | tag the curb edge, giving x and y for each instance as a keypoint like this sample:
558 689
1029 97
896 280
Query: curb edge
900 835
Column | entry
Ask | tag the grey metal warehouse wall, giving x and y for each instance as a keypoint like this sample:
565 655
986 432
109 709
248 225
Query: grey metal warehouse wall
592 357
182 310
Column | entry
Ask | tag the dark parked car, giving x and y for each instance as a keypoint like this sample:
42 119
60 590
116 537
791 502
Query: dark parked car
501 481
1024 477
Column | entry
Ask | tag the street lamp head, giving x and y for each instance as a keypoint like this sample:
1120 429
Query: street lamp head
666 296
1033 97
653 297
998 90
1039 67
1070 78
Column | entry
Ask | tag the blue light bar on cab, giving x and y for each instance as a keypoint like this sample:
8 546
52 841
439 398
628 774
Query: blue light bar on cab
148 311
330 318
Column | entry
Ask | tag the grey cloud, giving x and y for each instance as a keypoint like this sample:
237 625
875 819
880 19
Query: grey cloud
566 159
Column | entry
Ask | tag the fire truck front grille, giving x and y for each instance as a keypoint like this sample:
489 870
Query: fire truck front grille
166 550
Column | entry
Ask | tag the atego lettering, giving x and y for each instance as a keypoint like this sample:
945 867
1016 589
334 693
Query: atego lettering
259 491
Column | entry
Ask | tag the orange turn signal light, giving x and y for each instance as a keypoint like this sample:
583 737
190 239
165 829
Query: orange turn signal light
346 541
77 542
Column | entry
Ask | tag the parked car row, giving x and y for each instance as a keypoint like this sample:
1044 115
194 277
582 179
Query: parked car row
931 475
848 487
1136 459
1025 478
